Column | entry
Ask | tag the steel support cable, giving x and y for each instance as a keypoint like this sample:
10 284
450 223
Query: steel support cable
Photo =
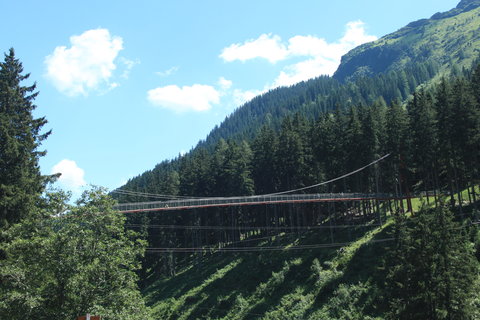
274 248
254 196
331 180
266 248
249 228
141 194
248 200
152 195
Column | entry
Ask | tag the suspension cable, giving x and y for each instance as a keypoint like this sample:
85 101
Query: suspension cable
331 180
164 196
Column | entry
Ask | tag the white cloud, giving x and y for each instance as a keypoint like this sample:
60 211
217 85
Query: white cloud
224 83
72 176
307 46
305 70
355 35
168 72
322 57
85 66
325 57
241 97
187 98
267 46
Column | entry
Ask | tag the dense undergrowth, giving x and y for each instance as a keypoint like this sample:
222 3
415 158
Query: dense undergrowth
288 284
347 279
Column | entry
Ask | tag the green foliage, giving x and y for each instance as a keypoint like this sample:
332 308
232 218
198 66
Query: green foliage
445 40
315 131
345 303
433 142
434 270
69 263
20 136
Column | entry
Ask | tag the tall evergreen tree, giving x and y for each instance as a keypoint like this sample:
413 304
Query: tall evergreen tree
445 122
434 268
396 144
264 172
476 83
424 138
354 147
21 182
466 130
292 154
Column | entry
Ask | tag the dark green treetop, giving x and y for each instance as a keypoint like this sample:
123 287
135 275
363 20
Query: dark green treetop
20 136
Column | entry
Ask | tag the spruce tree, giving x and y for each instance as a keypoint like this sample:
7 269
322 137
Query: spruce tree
264 172
354 147
21 182
434 268
475 83
424 139
397 137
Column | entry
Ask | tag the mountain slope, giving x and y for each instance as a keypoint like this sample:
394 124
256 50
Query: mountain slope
448 39
326 283
393 67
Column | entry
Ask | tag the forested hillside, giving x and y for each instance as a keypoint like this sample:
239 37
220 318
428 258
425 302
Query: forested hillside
394 78
433 142
449 40
434 147
422 112
390 144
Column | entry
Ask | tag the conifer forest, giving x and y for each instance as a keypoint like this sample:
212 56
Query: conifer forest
390 144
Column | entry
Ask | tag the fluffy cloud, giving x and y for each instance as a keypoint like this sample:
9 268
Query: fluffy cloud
224 83
267 46
72 177
321 57
187 98
87 65
355 35
324 57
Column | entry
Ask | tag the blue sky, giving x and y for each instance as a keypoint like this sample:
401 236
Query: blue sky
125 85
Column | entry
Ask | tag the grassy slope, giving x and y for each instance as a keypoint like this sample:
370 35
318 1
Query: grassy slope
280 285
452 41
329 283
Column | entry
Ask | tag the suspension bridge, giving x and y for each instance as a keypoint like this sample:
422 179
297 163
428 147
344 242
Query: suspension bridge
183 204
289 196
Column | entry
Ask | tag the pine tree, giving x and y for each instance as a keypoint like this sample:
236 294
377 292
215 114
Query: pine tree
21 182
445 121
264 149
354 147
476 83
424 138
396 144
293 154
434 268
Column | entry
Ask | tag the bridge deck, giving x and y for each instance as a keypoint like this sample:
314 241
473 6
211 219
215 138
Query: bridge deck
247 201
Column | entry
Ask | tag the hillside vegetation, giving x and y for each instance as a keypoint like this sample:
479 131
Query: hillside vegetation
449 40
314 131
397 65
410 99
434 146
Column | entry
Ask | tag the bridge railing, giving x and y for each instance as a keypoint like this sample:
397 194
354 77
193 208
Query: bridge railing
250 200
